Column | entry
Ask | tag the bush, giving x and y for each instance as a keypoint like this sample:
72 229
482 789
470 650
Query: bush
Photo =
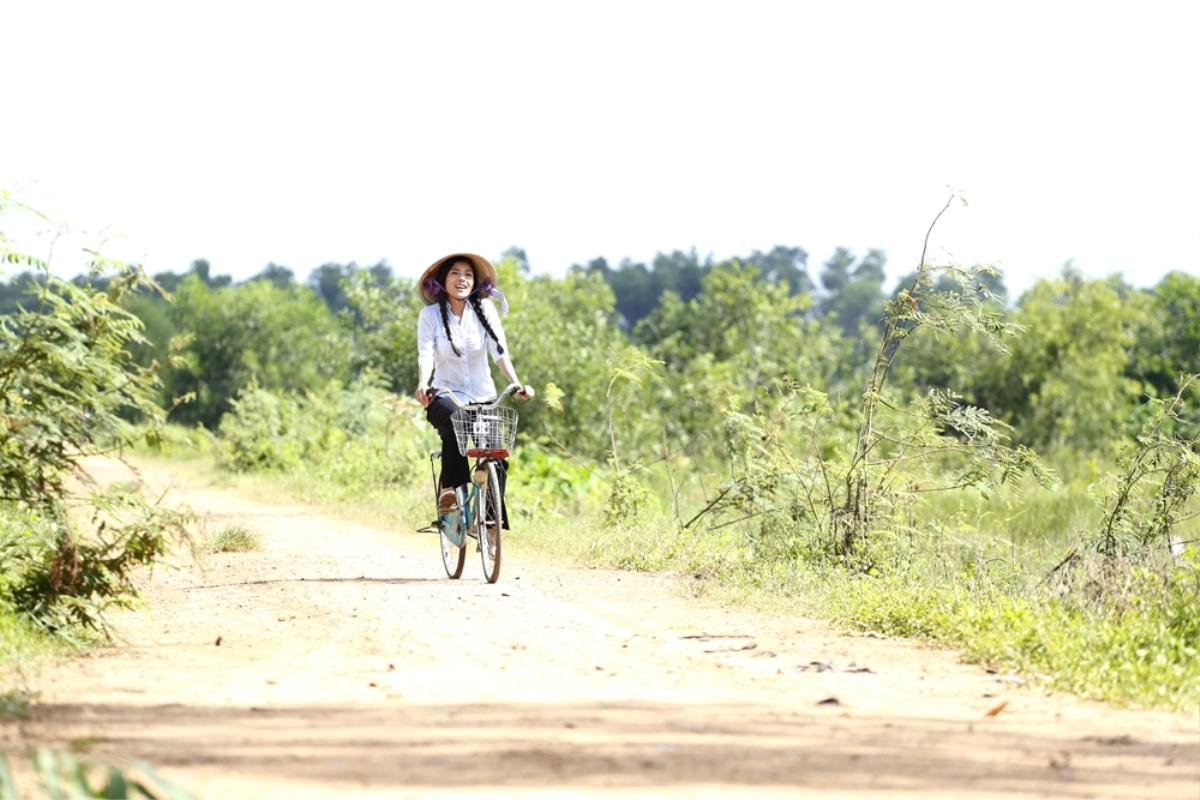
69 389
60 579
358 437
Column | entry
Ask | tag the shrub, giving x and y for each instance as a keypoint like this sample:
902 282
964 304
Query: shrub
70 389
358 436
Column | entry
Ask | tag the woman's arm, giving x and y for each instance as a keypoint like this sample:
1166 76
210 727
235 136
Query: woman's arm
510 372
504 362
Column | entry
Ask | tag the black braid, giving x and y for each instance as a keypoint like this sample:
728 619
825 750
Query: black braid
487 326
446 323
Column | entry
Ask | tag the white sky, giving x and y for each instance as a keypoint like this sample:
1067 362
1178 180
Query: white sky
302 133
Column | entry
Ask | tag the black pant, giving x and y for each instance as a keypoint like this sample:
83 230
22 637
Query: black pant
455 469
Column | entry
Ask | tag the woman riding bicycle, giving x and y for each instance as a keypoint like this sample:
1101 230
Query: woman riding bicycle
456 330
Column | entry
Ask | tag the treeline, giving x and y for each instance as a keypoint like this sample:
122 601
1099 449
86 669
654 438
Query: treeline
1090 352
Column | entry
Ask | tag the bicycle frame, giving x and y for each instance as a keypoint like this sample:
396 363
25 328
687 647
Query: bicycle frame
468 502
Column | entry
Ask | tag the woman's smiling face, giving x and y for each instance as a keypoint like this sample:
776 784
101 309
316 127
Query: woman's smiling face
460 280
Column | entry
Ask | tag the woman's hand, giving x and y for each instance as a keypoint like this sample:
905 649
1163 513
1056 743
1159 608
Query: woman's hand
423 396
526 392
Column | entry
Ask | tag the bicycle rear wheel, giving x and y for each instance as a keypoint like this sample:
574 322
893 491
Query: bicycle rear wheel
488 522
453 555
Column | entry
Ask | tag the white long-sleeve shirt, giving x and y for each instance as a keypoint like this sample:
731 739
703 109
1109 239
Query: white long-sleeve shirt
468 375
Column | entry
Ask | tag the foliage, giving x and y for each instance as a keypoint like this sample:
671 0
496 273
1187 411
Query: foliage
1168 340
827 493
561 332
638 289
153 310
68 385
1064 385
1154 490
252 333
382 313
69 390
628 500
1142 649
943 425
723 348
853 292
358 435
61 775
545 483
61 580
23 645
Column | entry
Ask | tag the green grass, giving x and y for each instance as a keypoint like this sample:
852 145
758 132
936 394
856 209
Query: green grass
1143 651
235 539
966 572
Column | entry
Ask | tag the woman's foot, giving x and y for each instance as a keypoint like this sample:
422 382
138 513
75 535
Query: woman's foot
447 501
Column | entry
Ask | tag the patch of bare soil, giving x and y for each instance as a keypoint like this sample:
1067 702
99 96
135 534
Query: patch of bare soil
338 661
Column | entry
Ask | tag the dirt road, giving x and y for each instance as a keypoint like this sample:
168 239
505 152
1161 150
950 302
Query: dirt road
338 661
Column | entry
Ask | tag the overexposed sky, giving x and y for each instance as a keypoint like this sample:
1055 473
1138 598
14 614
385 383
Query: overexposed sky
302 133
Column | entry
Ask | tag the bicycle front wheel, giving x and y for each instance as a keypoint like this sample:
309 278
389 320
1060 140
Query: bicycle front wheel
489 522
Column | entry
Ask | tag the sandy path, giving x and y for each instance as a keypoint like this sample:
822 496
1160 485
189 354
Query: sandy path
348 666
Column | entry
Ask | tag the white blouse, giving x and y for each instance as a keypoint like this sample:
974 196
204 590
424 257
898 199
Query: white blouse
468 375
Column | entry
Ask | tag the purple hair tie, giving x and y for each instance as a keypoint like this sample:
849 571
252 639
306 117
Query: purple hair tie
486 289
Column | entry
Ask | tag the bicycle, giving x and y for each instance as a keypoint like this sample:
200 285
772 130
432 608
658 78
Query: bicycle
485 431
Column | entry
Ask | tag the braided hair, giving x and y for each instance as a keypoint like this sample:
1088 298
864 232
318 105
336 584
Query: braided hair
474 299
487 326
443 303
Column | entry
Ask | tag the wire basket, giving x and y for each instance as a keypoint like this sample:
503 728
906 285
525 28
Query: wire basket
485 433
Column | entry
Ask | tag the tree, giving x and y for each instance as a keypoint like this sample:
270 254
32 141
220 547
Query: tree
853 292
1065 384
822 493
783 265
281 277
252 333
639 289
170 281
519 257
1169 344
725 346
680 273
382 315
18 290
326 282
562 332
636 292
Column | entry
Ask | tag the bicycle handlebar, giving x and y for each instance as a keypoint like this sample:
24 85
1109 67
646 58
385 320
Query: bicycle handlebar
512 388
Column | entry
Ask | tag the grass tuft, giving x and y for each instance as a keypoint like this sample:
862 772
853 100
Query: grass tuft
235 539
